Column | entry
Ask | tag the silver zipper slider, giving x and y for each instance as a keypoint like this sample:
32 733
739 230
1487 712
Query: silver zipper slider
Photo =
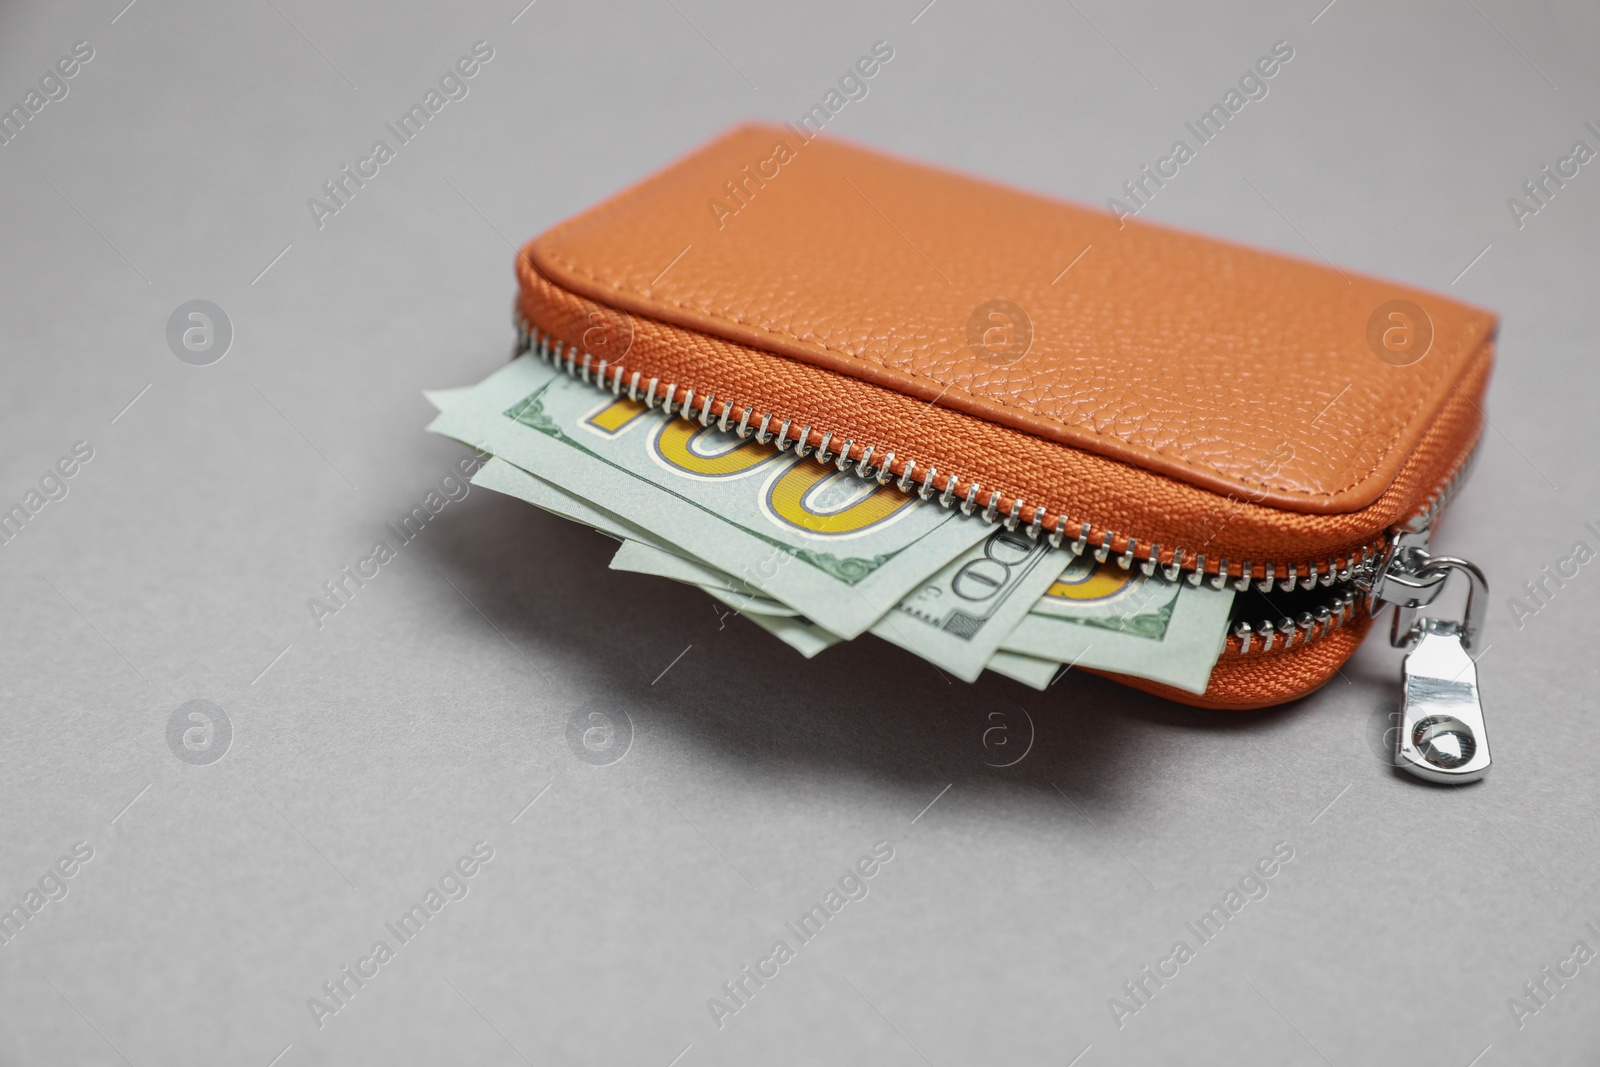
1442 733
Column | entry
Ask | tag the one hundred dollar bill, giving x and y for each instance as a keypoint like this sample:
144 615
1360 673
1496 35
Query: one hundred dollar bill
1028 670
512 480
642 558
747 604
959 617
997 583
442 399
799 633
841 550
640 555
1099 615
1089 615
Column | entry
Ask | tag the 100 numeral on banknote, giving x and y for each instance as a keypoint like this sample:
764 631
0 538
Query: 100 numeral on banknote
839 549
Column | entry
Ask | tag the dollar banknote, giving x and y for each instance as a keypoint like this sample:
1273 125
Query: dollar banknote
806 638
1099 615
996 600
448 397
958 618
512 480
840 550
794 631
985 611
1030 671
754 605
637 552
642 558
1090 614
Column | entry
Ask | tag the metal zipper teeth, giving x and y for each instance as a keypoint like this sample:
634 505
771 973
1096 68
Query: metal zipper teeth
653 393
1286 633
1442 494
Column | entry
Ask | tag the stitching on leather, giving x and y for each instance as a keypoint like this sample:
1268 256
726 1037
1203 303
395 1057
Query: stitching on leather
616 284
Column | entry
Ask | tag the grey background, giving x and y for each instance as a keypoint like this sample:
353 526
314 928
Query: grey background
369 754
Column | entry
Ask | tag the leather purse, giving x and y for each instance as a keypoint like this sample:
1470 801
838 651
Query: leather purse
1175 403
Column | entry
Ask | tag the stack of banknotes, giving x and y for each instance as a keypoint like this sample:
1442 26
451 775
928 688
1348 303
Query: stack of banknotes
815 555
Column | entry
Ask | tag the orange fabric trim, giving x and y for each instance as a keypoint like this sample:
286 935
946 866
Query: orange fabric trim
1263 679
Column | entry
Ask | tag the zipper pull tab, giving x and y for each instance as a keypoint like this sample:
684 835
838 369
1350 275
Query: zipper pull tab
1442 736
1442 733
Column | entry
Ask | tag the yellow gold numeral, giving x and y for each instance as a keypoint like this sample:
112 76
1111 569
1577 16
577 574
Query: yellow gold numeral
1090 583
616 416
676 446
790 495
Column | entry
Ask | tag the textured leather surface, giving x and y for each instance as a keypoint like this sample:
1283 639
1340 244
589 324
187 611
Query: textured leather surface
1121 503
1217 365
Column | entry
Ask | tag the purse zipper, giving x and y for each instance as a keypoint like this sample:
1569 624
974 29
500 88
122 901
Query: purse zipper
925 481
1442 733
1357 580
1443 738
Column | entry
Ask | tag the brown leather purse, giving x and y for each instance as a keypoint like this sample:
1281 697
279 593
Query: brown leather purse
1172 402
